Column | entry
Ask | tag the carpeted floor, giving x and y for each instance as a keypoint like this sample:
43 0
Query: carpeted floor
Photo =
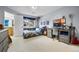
40 44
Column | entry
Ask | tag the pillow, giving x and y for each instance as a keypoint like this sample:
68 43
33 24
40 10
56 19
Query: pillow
38 29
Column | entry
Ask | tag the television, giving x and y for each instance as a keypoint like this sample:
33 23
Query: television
59 22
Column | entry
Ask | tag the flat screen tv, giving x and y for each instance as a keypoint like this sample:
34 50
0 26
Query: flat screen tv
59 22
56 25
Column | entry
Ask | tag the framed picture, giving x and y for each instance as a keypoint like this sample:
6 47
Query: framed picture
47 22
44 22
6 22
29 23
41 23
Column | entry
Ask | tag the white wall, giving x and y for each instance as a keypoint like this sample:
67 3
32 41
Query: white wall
1 15
18 20
10 17
45 18
18 25
64 11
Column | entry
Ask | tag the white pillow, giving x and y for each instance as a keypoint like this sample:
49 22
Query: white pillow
38 29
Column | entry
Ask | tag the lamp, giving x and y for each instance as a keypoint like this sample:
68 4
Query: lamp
71 17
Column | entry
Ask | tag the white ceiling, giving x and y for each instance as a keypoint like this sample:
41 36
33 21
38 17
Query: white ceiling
39 11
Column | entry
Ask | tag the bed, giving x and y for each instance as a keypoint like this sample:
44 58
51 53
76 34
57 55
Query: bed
31 32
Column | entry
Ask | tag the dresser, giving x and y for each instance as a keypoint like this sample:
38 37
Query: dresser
4 40
64 35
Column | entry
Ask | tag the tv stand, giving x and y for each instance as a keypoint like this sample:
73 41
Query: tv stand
64 35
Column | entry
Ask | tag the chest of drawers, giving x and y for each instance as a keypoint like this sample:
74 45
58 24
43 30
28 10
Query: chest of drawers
4 40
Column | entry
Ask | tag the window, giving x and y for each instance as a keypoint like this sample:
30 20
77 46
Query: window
8 19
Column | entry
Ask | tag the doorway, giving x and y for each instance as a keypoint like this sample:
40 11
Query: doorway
9 22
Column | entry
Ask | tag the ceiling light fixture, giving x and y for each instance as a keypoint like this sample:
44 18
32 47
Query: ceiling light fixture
34 7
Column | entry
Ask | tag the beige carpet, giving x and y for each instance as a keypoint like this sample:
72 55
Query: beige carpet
40 44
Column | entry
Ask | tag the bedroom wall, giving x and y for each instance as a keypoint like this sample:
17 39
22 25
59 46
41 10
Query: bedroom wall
18 20
64 11
18 25
1 15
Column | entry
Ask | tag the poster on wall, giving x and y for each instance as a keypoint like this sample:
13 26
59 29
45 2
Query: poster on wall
6 22
41 23
44 23
29 23
47 22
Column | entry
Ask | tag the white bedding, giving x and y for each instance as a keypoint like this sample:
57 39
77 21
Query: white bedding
32 31
29 31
